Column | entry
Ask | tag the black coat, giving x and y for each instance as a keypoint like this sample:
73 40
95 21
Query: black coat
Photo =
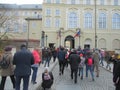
47 83
74 61
116 76
23 60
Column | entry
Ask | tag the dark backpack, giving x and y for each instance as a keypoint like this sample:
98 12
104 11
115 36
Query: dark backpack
4 64
90 61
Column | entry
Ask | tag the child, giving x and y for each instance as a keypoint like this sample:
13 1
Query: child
81 65
47 79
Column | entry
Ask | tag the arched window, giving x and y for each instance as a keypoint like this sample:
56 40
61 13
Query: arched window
88 20
116 21
102 21
72 20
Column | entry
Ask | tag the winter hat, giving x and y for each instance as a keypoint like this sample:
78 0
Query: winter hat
8 48
81 55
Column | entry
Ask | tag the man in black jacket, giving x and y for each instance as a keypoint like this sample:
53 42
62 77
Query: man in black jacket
74 62
23 60
61 59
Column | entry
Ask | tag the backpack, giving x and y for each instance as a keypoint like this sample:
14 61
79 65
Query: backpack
47 76
4 64
90 61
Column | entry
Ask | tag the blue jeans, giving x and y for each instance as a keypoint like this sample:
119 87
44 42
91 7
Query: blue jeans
34 75
47 61
25 82
81 71
101 61
91 71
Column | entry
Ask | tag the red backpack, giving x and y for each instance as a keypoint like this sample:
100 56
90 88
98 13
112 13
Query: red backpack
90 61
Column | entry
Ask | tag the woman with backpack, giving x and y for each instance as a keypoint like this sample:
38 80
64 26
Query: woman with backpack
47 79
8 71
81 65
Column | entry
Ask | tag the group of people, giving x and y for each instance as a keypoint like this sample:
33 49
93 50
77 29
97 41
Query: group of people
78 59
20 66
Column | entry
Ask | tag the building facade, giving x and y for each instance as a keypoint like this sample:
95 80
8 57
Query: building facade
21 23
97 20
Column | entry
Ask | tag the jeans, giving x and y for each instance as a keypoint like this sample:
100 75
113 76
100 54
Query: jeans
81 71
25 82
91 71
34 75
47 61
108 66
4 79
101 61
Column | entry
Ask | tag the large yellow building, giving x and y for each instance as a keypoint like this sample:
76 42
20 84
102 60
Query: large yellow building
97 20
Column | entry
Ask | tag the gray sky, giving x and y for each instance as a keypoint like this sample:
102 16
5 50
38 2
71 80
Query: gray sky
21 1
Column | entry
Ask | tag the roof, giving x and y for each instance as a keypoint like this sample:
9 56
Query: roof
23 6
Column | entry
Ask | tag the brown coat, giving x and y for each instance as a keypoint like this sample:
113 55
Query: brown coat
10 70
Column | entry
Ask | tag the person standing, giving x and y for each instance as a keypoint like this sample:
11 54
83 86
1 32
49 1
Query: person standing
116 70
23 60
48 56
37 60
116 76
61 59
96 59
54 54
89 63
74 63
107 57
81 66
8 71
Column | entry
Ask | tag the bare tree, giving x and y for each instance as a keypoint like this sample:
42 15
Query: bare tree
7 20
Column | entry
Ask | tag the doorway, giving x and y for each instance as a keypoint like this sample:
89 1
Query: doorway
69 42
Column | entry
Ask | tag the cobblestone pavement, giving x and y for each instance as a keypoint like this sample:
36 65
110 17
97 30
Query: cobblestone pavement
64 82
8 84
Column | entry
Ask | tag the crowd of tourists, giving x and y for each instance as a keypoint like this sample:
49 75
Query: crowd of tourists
79 60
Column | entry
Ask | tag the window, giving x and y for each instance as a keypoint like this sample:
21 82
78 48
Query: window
72 1
102 21
57 12
88 2
48 22
88 20
115 2
72 20
101 2
116 21
16 27
48 12
48 1
24 27
57 1
57 23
